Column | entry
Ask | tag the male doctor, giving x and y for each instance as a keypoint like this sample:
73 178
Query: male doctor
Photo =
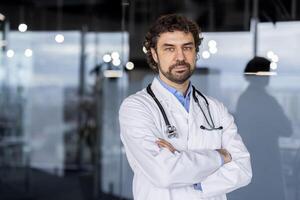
180 144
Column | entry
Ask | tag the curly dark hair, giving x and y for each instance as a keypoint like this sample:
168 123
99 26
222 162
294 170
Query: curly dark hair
169 23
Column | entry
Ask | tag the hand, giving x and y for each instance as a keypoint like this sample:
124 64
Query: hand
164 144
225 155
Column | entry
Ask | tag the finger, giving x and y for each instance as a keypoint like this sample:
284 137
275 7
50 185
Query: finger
163 145
164 142
168 146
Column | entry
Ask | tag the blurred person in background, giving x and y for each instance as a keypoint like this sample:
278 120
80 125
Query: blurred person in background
261 122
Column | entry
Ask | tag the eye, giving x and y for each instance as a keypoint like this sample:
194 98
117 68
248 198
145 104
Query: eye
188 48
170 49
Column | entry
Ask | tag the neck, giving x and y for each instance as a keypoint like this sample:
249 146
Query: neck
181 87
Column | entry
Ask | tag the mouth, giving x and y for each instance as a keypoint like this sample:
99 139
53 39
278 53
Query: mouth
180 68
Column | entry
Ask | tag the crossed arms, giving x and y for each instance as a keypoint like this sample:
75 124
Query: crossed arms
185 168
226 157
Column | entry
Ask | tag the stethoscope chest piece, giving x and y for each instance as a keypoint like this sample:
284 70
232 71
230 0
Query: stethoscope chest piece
171 131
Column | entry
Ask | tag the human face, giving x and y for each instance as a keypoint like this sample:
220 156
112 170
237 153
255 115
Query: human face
175 55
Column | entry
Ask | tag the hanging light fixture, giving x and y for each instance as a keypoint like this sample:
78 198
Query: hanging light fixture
22 26
59 37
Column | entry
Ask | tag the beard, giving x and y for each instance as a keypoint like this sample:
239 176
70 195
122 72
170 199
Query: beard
175 76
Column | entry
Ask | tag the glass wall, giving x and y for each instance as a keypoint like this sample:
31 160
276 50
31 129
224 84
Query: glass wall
59 107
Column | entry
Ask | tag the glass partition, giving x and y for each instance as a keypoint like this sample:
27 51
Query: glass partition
59 110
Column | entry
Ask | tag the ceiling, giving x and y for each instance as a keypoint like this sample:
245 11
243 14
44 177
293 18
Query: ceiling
106 15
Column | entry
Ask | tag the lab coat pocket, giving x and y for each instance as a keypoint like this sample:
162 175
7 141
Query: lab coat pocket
212 139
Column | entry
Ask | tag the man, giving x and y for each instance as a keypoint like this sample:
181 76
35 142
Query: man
180 143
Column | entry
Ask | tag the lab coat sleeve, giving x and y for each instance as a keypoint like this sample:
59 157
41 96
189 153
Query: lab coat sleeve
235 174
161 167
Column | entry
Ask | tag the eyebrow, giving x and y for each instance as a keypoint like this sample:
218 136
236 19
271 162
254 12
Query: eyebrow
167 45
188 43
184 44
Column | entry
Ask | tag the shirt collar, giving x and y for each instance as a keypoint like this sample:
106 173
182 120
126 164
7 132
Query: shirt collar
173 90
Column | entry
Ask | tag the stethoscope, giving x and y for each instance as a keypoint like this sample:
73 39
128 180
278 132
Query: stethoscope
171 129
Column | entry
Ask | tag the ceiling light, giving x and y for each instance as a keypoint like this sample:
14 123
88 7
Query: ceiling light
116 62
213 50
275 58
115 55
205 54
59 38
22 28
28 53
270 54
273 65
106 58
10 53
212 43
129 65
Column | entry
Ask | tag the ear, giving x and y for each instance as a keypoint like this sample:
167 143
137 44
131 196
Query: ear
154 55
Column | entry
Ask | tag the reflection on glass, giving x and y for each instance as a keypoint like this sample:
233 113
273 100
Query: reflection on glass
261 121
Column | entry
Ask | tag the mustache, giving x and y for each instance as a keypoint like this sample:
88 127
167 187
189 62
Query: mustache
178 63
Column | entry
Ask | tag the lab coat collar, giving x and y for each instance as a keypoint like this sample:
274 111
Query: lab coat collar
168 98
173 105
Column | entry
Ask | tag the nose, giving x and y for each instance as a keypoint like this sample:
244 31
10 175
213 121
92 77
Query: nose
180 54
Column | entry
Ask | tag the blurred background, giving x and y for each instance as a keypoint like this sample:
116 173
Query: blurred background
66 66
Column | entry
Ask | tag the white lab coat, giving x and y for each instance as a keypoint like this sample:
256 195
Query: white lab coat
162 175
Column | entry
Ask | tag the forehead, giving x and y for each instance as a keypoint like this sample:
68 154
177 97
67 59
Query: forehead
175 38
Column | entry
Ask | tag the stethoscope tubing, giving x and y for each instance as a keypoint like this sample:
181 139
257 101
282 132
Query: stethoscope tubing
149 90
210 124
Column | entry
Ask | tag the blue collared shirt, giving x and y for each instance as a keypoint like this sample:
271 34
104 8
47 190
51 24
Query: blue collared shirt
184 100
